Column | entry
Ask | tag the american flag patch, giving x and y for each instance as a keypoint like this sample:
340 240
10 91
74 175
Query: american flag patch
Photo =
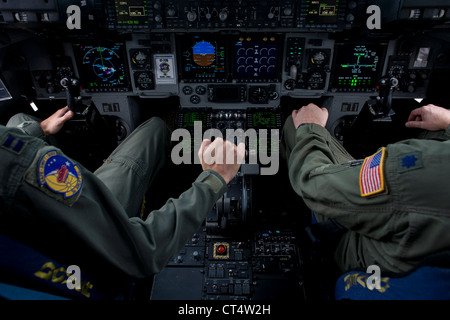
371 177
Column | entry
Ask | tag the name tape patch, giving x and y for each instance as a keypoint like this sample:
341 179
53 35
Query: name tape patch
371 178
59 174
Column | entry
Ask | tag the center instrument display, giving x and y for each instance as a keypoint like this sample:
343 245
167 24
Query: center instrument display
357 67
203 58
102 68
257 58
219 58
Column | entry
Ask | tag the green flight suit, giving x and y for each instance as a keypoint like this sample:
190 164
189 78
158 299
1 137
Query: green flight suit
95 216
394 228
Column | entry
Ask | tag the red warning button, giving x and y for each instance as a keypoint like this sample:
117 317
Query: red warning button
221 249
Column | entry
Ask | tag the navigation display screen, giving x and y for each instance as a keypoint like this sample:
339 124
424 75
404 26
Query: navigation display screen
102 67
357 66
257 58
203 58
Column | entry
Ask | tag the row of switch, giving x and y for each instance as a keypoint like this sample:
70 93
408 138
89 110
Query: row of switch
237 289
220 271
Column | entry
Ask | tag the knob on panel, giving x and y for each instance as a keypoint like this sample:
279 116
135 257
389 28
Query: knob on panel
191 16
223 15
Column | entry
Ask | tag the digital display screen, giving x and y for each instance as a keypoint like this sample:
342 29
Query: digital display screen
203 58
227 94
357 66
4 93
257 58
188 119
102 67
322 11
131 12
264 120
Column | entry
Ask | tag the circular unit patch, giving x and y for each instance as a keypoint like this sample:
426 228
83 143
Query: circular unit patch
59 174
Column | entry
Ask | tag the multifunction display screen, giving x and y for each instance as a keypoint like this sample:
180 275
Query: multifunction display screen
102 67
131 12
222 58
357 66
257 58
322 11
203 58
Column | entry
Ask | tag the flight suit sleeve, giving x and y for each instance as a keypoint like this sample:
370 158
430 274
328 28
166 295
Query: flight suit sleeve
435 135
86 217
27 124
446 134
165 231
332 189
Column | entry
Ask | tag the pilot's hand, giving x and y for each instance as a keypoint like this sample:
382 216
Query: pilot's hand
429 117
310 114
221 156
55 122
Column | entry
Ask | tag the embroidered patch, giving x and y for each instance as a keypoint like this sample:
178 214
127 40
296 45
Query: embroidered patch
13 144
371 177
409 161
59 174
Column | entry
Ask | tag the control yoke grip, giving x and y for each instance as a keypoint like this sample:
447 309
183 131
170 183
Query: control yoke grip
72 86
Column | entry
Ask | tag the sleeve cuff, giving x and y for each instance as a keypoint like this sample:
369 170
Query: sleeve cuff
447 132
32 128
214 180
314 128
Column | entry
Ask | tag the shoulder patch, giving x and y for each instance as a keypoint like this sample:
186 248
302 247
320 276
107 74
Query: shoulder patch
59 174
371 177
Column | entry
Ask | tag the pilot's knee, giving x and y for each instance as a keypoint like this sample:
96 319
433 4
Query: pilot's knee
156 127
158 122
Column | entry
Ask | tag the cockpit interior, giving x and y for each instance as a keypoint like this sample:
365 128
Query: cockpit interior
226 65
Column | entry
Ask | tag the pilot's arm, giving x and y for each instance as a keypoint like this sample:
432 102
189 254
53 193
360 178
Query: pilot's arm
392 201
49 196
431 118
41 129
328 186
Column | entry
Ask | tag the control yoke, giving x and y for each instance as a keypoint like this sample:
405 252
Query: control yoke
73 96
86 113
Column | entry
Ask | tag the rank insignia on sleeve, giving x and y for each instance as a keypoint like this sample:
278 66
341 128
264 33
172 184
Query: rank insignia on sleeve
13 144
59 174
371 177
409 161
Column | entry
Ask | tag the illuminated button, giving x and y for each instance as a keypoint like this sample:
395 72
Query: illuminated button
221 250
